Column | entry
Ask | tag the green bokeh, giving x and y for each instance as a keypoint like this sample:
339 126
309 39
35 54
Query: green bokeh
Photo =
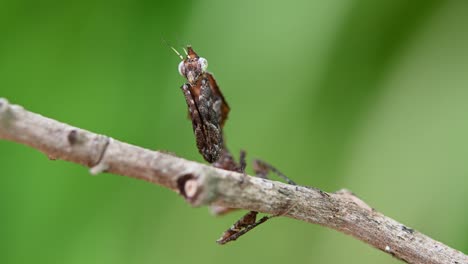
367 95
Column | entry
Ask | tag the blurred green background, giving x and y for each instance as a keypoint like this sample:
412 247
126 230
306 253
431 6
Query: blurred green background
366 95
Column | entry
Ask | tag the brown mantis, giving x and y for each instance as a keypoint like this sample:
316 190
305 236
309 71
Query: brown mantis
209 111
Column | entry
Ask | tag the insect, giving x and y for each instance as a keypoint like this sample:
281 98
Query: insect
209 111
207 107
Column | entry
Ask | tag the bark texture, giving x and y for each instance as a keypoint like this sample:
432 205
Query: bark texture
204 185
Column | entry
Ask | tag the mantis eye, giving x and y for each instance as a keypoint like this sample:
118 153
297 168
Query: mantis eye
181 68
203 63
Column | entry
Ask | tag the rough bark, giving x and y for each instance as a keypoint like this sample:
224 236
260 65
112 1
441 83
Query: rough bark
204 185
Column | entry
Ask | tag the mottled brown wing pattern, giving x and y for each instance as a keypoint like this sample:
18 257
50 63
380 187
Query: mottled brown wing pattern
205 115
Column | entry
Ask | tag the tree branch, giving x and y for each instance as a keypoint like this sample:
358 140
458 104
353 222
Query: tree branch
204 185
